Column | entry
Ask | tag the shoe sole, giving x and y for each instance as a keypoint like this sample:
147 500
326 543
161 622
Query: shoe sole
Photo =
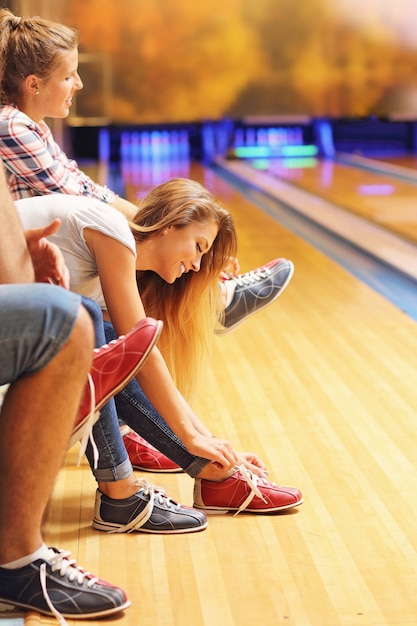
5 604
78 433
112 528
224 330
213 510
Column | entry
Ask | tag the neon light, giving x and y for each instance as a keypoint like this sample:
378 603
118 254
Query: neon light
292 163
299 151
267 152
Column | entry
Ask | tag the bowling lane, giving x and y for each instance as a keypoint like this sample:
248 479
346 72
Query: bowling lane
409 161
294 197
382 199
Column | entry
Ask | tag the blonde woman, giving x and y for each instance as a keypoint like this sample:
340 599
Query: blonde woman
166 262
38 78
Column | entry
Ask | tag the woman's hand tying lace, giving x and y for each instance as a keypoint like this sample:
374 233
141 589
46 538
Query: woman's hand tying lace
231 269
219 451
253 463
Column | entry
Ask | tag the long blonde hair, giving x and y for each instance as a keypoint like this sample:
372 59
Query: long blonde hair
190 306
28 46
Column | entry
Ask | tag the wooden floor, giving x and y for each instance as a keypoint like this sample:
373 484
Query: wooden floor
388 203
369 208
322 385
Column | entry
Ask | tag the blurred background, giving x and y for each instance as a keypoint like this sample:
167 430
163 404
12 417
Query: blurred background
153 61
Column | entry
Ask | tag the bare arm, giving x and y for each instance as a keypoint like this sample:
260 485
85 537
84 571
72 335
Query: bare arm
128 209
15 262
116 266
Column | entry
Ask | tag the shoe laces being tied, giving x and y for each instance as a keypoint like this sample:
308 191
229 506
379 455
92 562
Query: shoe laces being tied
251 278
59 561
156 496
252 480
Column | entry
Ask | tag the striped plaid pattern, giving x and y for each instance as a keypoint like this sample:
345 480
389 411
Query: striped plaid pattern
36 165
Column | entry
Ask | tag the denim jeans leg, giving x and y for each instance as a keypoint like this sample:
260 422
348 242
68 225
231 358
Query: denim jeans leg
134 408
35 323
113 462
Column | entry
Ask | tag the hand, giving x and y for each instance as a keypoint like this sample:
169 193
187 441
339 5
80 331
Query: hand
47 259
231 269
219 451
253 463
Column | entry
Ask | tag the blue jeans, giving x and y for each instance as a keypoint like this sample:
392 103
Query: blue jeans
113 462
135 410
36 321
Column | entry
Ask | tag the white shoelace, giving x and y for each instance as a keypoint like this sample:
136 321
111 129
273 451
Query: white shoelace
60 561
252 480
243 280
88 432
156 495
3 390
250 278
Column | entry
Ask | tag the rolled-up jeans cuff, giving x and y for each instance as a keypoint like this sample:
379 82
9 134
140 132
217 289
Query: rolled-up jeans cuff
196 466
113 474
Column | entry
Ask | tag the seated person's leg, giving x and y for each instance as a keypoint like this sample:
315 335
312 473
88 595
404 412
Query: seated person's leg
46 344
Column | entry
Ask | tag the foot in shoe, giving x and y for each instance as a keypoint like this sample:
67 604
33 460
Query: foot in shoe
244 491
144 456
149 510
57 586
114 365
254 291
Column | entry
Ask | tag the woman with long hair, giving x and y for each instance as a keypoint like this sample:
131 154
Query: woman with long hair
38 79
165 262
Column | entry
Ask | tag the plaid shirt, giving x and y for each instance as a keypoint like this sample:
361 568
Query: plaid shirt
36 165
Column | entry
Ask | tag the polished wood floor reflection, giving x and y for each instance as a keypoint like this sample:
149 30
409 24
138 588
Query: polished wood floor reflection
322 385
